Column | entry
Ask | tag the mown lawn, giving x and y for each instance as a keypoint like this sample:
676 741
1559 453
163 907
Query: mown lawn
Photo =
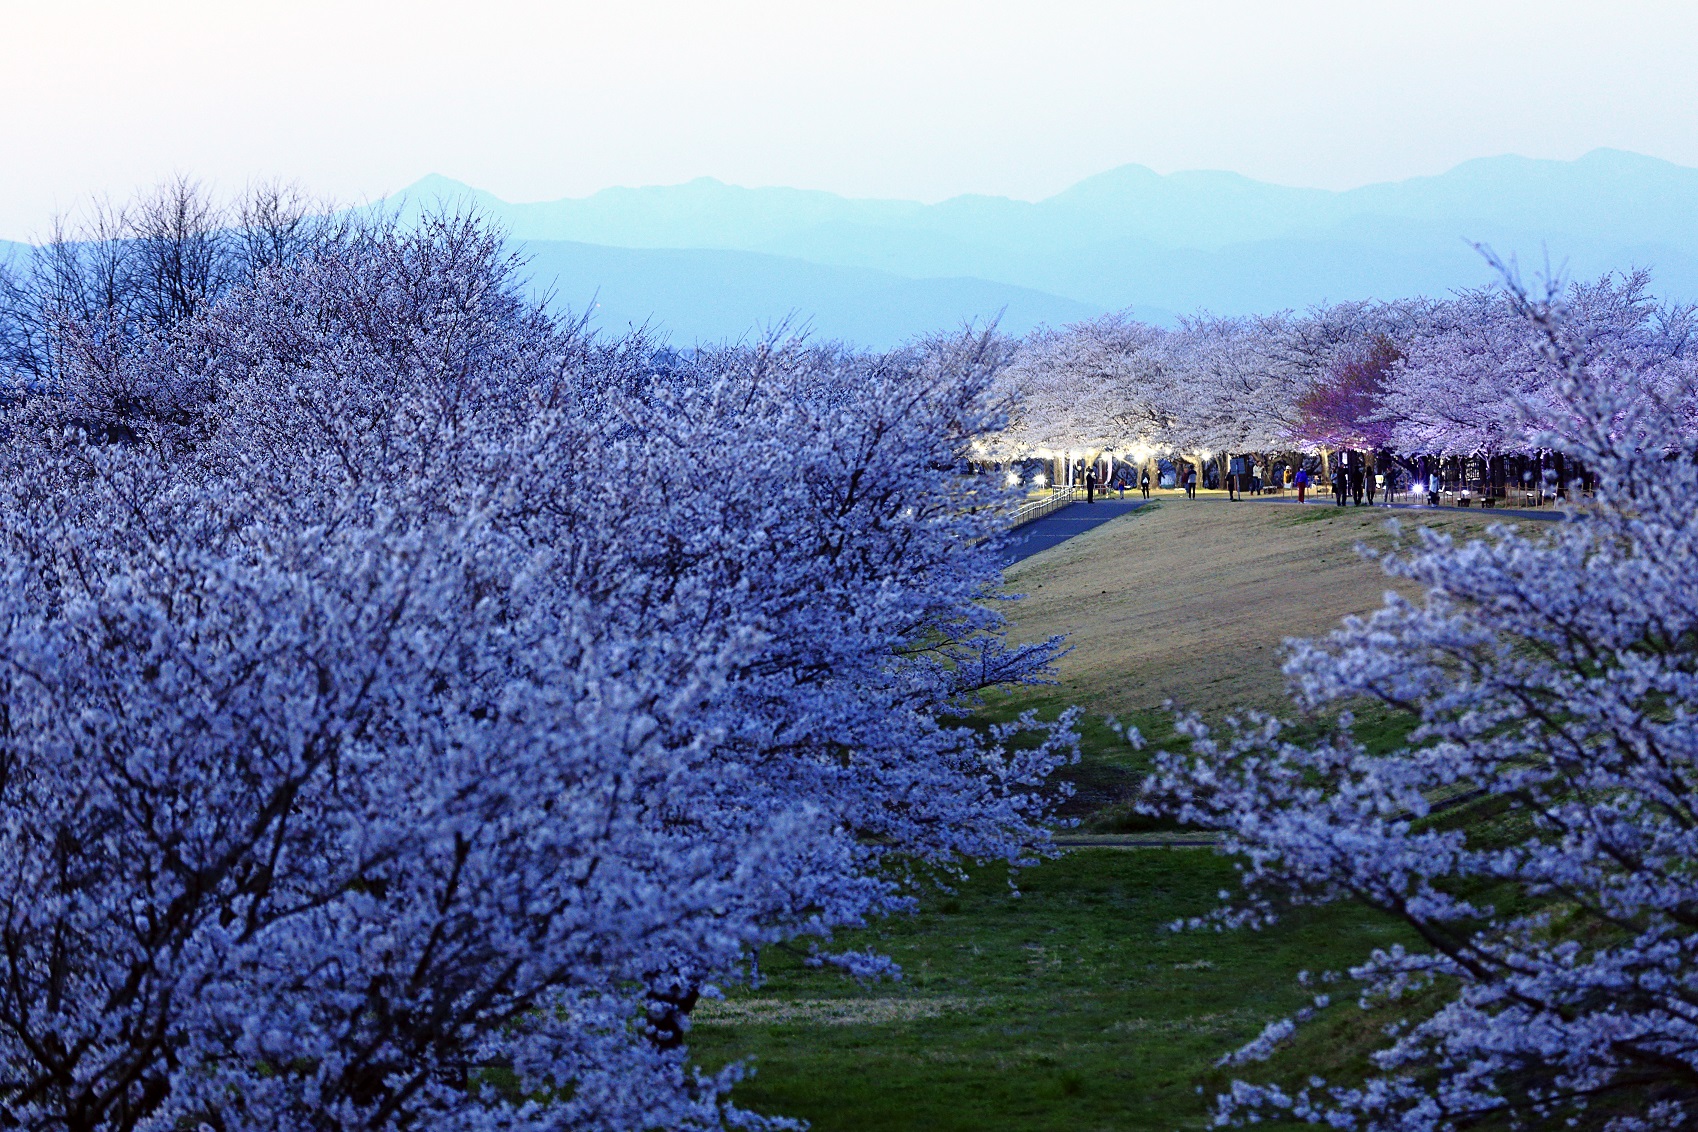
1071 1006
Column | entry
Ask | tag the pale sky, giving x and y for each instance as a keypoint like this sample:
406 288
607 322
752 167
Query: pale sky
539 100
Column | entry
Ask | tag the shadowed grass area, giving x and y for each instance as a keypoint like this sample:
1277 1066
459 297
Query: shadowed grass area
1070 1006
1106 780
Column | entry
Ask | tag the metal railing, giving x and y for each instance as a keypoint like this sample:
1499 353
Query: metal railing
1058 498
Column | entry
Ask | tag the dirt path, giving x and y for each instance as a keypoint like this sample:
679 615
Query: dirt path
1192 600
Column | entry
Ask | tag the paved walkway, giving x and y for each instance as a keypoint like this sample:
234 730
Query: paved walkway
1059 526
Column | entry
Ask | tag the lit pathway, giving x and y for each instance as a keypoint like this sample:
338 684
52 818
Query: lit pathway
1057 528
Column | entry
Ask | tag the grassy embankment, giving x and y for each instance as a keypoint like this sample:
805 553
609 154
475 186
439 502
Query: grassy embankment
1074 1006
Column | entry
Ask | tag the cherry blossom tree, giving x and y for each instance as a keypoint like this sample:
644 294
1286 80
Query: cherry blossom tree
1099 385
1344 409
1097 390
418 704
1231 392
123 272
1535 834
1476 379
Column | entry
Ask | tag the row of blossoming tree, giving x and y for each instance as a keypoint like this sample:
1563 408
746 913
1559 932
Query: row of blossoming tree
1457 377
381 747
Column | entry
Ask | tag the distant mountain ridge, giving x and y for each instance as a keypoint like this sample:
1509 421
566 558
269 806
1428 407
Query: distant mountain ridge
707 261
1135 238
1628 197
708 295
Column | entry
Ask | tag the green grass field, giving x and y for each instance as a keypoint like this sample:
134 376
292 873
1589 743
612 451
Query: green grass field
1072 1005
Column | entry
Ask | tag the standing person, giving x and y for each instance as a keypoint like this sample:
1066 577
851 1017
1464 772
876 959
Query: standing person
1091 486
1433 489
1370 484
1191 484
1356 486
1145 483
1340 484
1121 484
1301 479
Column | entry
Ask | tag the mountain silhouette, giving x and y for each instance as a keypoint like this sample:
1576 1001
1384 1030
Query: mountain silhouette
1162 243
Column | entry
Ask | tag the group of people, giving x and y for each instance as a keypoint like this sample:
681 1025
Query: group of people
1353 482
1349 484
1143 484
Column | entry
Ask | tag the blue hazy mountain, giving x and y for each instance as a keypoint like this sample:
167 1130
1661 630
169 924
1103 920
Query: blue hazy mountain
1127 237
709 295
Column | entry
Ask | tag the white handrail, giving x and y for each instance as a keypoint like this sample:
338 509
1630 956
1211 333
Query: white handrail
1038 508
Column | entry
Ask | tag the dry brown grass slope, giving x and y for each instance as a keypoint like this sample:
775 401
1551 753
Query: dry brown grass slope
1192 600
